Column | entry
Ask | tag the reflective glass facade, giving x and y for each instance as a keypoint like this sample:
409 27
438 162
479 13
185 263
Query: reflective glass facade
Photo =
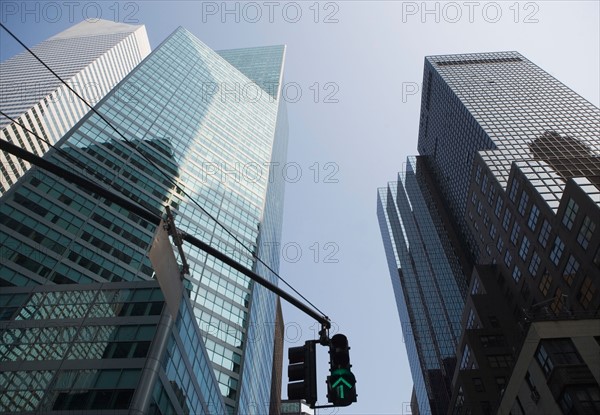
102 347
213 129
511 111
427 281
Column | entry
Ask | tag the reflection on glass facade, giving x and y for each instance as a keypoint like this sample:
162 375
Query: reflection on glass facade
427 282
95 347
212 128
511 111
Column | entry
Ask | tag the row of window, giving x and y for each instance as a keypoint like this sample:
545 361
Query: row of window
558 246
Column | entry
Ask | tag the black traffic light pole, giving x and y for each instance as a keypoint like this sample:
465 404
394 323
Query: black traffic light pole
154 217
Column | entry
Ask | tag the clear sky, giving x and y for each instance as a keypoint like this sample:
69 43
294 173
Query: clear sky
358 67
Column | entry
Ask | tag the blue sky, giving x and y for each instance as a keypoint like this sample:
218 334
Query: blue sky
365 60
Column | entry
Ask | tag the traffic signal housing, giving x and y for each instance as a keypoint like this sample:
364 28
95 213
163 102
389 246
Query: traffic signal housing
302 373
341 383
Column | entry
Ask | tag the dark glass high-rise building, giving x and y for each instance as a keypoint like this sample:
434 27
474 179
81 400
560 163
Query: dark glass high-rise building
512 159
211 123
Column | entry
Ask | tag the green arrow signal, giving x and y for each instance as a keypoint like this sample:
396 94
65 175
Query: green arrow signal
341 381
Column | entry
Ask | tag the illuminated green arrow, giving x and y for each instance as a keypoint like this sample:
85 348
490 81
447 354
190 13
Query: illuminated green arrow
341 381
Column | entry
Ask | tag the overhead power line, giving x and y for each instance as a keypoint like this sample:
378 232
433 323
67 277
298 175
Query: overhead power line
167 177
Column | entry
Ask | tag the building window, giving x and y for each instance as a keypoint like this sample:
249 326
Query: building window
516 274
514 235
533 217
466 356
587 292
585 233
492 194
531 386
471 321
498 208
501 360
555 352
475 288
484 184
544 360
507 258
474 198
570 270
478 175
544 233
534 264
479 207
523 203
557 250
513 190
545 283
524 250
493 231
506 220
500 244
570 214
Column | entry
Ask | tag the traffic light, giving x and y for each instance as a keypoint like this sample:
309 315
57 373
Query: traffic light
302 373
341 383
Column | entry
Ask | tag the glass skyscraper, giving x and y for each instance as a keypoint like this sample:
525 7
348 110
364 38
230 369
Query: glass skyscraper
428 283
511 160
510 110
210 123
92 57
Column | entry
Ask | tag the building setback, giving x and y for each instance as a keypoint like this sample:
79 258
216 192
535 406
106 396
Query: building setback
514 158
92 57
176 121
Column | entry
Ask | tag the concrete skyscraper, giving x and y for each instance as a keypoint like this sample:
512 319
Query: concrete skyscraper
511 159
92 57
191 127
